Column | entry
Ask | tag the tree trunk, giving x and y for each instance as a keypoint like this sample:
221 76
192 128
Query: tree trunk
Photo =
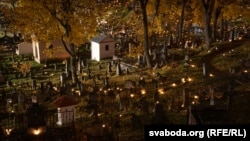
180 28
145 29
215 20
73 65
222 29
208 6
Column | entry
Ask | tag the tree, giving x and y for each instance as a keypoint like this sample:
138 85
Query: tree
208 6
180 28
143 4
72 21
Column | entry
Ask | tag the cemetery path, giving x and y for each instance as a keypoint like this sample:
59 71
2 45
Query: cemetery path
223 48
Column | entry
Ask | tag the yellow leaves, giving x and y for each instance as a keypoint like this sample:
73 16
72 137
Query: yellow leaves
22 67
50 19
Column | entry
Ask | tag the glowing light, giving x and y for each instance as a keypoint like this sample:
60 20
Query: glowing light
183 80
189 79
143 91
8 131
193 66
161 91
182 105
174 85
211 75
196 97
36 131
132 95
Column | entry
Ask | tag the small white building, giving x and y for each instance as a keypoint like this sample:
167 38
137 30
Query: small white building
102 46
65 110
24 48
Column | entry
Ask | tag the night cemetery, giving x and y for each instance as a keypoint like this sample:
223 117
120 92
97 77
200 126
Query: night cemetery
104 70
110 88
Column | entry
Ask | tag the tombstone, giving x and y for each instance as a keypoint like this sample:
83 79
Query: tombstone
139 62
204 69
118 69
66 66
9 83
62 77
42 86
34 84
127 71
34 99
79 68
186 60
106 82
21 98
154 58
118 98
109 67
212 97
156 66
55 66
159 116
88 73
68 74
142 82
163 55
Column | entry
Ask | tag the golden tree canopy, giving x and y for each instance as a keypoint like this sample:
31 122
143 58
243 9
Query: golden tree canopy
74 20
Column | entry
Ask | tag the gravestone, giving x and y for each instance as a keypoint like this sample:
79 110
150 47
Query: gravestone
21 98
9 83
55 66
62 78
66 66
127 71
106 82
34 84
88 73
42 86
142 82
139 60
212 96
79 67
109 67
159 116
118 69
204 69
